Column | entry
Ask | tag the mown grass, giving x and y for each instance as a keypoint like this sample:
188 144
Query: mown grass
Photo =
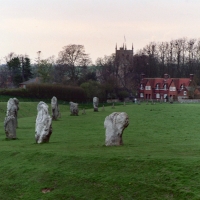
159 158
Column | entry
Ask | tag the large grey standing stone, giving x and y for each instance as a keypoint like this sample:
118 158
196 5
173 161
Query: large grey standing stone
95 103
171 99
74 108
115 124
54 108
10 120
16 112
43 127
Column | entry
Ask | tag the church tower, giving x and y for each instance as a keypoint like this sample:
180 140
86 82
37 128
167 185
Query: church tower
124 65
124 56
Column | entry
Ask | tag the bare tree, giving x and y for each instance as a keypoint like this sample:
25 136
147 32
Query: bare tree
74 59
178 58
105 68
163 48
151 64
106 73
10 56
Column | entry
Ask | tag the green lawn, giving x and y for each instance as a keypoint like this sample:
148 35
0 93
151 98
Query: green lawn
160 158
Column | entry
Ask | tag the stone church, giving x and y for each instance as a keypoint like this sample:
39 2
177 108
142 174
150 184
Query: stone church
124 65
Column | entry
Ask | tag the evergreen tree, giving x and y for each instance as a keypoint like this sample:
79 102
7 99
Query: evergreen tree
27 69
14 66
20 68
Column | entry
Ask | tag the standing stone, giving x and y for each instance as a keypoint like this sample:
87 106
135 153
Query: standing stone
103 109
115 124
54 108
10 120
113 105
16 112
95 103
83 111
135 100
74 108
171 99
43 128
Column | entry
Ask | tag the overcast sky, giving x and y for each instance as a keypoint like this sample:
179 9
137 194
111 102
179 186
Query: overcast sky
29 26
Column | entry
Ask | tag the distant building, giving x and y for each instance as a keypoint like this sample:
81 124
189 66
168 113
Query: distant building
123 63
164 88
124 56
30 81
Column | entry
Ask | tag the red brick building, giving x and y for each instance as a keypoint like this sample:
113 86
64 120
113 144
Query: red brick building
164 88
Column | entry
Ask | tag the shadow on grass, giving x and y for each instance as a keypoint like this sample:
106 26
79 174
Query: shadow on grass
9 139
24 127
48 143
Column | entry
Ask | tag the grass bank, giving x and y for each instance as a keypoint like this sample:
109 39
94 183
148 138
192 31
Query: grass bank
159 158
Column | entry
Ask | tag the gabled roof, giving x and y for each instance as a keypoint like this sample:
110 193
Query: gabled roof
172 84
168 81
31 81
144 81
185 81
158 81
161 81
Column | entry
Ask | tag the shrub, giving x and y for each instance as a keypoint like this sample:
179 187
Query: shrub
46 91
14 92
122 95
93 89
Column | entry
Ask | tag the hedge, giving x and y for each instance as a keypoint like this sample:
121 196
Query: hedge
46 91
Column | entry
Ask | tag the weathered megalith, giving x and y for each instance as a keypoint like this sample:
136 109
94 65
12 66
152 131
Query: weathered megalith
16 112
83 111
10 120
115 124
171 99
43 128
95 103
74 108
54 108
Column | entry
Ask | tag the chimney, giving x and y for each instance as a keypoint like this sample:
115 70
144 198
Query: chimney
191 77
142 76
166 76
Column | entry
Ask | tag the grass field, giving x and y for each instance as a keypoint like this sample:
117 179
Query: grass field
160 158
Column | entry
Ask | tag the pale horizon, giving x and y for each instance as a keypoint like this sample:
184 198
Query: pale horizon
47 26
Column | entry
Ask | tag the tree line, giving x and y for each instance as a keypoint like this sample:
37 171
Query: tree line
109 76
178 58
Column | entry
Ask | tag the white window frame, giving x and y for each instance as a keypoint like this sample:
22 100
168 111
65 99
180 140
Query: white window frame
147 87
157 96
157 86
172 89
182 87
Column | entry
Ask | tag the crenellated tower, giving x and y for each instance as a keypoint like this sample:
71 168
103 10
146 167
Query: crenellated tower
124 64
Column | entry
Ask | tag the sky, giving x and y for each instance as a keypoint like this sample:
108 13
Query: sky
29 26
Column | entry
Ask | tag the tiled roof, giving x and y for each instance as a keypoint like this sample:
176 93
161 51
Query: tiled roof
161 81
30 81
